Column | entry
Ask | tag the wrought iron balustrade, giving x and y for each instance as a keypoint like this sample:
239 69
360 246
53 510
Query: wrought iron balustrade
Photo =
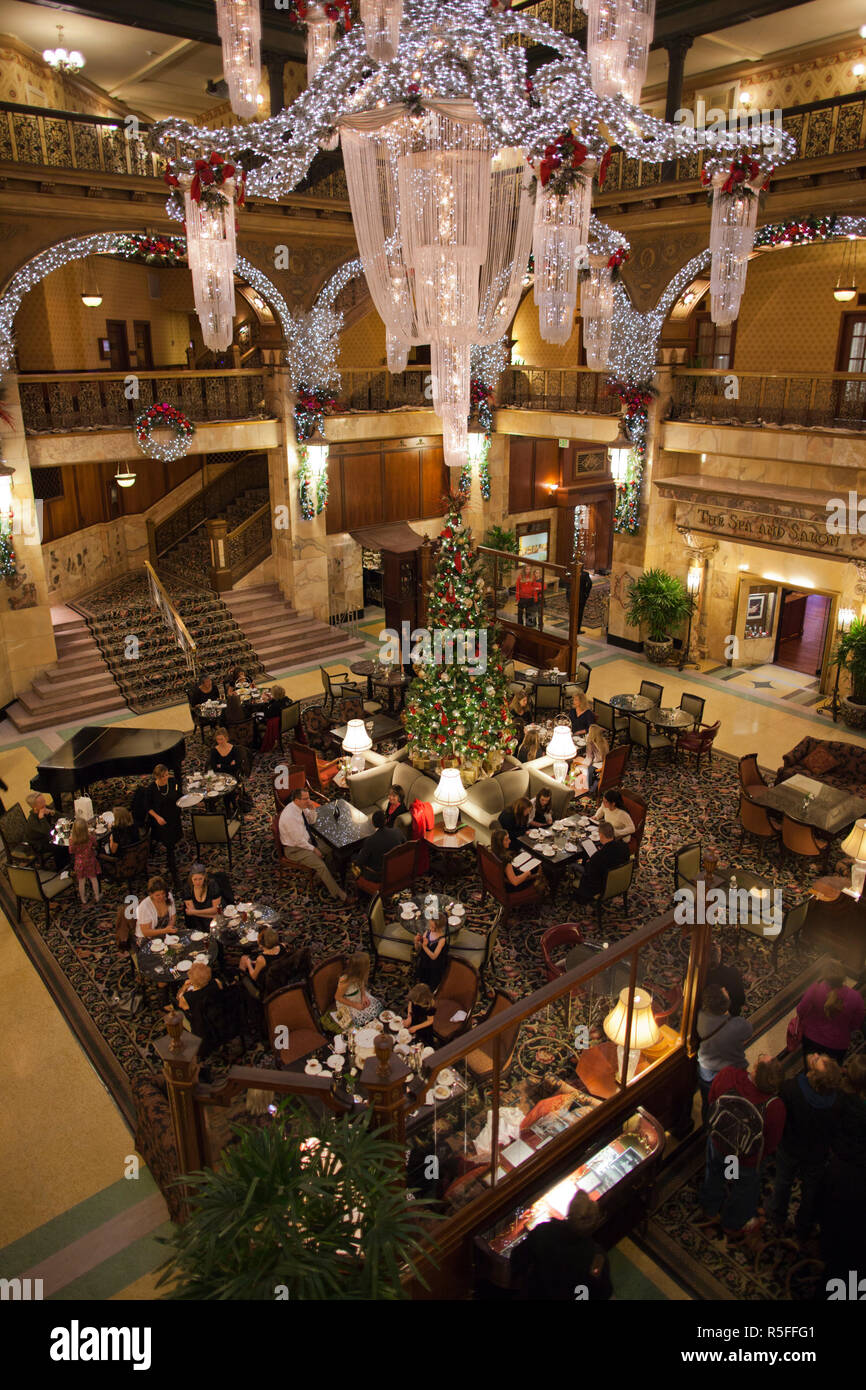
832 400
56 403
569 389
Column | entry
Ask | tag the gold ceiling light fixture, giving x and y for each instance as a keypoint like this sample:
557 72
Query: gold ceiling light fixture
846 280
59 59
91 295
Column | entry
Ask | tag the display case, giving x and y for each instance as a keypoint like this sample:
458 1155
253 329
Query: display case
618 1173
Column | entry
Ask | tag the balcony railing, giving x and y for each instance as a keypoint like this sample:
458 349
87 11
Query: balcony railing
56 403
574 389
833 400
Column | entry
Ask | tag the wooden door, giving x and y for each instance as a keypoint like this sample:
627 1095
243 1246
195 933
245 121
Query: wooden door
400 587
118 344
143 346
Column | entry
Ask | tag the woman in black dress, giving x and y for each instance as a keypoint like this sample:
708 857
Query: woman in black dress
226 758
163 817
124 832
432 947
420 1012
396 807
202 897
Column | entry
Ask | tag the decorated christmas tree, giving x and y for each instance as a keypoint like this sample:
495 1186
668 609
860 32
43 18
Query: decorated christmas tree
457 705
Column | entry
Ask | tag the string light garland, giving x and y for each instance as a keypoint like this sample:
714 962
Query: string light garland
313 339
181 428
160 251
634 423
105 244
8 562
312 488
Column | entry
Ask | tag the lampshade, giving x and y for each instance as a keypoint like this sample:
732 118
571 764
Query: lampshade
855 843
357 739
124 477
317 452
561 745
644 1029
618 454
450 791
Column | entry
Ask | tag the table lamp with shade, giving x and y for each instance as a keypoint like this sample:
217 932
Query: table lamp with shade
562 749
356 742
450 794
855 845
644 1029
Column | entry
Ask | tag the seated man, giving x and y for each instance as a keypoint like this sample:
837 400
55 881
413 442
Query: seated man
37 832
612 810
371 851
610 854
299 845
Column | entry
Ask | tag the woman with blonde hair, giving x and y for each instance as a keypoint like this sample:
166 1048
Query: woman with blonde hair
580 714
352 990
85 865
829 1012
124 831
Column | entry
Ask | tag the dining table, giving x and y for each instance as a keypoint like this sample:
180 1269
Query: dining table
813 803
632 704
669 719
559 846
204 786
171 957
535 677
100 825
413 907
341 826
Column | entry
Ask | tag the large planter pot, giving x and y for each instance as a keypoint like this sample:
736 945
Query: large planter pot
658 652
853 713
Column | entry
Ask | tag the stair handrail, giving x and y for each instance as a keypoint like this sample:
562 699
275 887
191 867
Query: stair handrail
215 488
170 616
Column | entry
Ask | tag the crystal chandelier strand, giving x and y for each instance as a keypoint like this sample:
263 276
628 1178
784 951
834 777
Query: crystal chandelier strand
239 25
509 239
732 236
618 40
381 21
559 244
212 254
321 40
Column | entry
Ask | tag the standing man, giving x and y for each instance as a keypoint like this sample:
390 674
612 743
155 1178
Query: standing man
298 844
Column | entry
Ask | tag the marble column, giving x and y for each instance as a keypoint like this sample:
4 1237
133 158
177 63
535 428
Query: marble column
300 548
26 632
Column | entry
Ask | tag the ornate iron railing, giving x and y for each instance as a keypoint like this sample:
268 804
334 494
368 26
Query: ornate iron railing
249 542
213 500
528 388
832 400
57 402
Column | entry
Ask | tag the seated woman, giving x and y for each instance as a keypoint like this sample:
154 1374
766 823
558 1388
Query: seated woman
206 689
267 727
581 715
155 914
586 769
612 809
519 710
542 809
420 1012
202 896
515 818
226 758
202 998
234 710
529 748
277 703
396 806
500 845
269 967
124 832
352 990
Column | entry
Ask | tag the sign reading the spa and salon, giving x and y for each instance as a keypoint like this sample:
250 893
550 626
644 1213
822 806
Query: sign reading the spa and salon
785 532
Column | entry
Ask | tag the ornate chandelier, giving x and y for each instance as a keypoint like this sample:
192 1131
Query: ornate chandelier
212 252
618 41
381 21
239 24
59 59
732 234
559 242
596 310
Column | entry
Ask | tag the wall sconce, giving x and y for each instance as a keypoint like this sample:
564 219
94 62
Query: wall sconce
844 618
693 579
475 442
618 454
317 452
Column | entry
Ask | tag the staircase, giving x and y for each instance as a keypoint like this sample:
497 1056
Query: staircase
190 557
77 687
282 637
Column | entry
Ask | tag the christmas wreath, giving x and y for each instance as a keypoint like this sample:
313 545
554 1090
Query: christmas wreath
339 12
562 164
181 428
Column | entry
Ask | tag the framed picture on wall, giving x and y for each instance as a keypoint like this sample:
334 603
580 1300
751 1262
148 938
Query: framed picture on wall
755 605
533 540
104 349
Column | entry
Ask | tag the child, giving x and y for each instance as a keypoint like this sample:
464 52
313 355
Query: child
82 848
420 1013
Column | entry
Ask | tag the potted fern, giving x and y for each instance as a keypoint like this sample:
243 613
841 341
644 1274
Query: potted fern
658 602
850 654
299 1209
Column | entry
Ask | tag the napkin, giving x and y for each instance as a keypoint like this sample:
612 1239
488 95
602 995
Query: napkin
588 848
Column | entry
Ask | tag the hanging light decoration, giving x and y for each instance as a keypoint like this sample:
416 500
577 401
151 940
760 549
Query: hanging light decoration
618 40
619 453
559 242
321 39
60 60
455 440
846 280
596 310
732 234
91 295
381 21
396 351
211 247
124 477
239 24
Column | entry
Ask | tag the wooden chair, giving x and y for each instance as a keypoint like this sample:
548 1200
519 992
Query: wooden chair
13 833
802 840
339 685
399 871
693 705
476 947
212 828
793 923
614 724
652 691
616 884
548 698
323 982
642 736
698 741
506 648
458 991
480 1060
318 771
388 940
556 942
582 675
612 768
33 885
637 809
750 773
290 718
294 778
493 881
284 865
687 865
666 999
755 820
289 1008
241 735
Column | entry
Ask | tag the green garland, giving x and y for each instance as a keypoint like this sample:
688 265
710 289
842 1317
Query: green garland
465 485
8 565
634 421
314 496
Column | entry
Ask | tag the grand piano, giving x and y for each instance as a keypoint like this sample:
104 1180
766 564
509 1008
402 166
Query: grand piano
96 752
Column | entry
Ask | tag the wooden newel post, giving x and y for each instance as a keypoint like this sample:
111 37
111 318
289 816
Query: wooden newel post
220 568
179 1052
384 1079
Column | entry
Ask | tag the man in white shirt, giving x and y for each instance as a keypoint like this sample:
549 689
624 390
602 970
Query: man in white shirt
298 844
612 809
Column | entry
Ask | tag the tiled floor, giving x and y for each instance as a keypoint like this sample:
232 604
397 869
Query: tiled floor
69 1214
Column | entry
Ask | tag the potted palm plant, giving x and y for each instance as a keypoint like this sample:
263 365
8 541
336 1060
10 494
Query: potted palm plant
850 654
499 538
299 1209
659 602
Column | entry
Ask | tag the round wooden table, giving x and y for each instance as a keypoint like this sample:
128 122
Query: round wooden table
829 888
445 843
